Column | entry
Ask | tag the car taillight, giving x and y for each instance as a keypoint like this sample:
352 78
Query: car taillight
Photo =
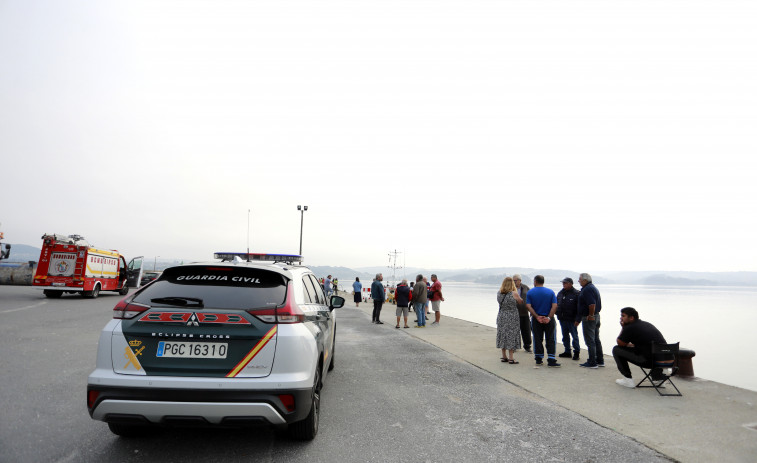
125 310
266 315
289 313
287 400
92 398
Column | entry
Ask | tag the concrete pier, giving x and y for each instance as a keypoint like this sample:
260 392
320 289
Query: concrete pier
711 422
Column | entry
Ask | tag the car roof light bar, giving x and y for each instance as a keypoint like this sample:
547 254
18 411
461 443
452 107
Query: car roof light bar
245 257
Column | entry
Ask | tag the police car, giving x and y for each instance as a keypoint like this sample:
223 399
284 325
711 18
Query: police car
245 340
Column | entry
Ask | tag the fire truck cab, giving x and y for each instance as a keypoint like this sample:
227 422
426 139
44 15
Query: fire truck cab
68 264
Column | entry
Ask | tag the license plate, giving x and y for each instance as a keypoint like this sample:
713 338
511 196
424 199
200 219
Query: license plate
204 350
59 284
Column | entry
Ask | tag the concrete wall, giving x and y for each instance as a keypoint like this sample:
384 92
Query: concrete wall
17 273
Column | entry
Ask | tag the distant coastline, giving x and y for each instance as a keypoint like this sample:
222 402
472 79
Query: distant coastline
24 254
494 276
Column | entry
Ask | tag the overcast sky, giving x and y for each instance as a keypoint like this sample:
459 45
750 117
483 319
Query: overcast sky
585 135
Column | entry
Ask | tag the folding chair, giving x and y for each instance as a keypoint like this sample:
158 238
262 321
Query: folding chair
659 350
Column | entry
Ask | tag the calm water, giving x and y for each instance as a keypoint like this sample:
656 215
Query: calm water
713 321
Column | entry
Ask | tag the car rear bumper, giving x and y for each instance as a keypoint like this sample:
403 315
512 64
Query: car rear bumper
196 407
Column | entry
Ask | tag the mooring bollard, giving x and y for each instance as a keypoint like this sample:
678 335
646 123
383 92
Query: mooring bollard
685 365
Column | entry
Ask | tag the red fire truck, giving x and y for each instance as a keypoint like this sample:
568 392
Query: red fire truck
68 264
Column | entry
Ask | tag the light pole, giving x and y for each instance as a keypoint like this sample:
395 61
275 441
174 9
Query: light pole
302 210
155 263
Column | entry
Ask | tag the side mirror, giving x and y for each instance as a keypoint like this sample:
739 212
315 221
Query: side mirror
336 302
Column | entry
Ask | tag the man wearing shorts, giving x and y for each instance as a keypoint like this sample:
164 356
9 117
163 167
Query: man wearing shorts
436 299
402 296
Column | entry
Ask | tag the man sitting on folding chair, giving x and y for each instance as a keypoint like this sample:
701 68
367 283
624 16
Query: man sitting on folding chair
635 346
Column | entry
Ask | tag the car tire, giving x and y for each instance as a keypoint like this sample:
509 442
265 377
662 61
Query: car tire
125 290
333 352
128 430
307 429
52 294
92 294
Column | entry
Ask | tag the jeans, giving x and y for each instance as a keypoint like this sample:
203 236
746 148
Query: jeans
377 303
591 338
623 355
542 331
420 312
568 328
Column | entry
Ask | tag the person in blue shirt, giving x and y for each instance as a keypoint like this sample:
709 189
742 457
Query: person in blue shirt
357 289
327 287
541 302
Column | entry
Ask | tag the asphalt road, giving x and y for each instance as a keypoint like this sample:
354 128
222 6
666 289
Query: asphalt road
391 397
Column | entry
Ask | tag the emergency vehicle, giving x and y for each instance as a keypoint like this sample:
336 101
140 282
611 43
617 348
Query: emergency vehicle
6 253
68 264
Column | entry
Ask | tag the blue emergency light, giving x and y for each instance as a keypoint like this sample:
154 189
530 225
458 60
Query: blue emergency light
244 256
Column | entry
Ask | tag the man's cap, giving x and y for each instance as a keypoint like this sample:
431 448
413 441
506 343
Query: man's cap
567 280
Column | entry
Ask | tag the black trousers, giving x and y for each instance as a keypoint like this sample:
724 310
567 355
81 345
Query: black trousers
625 355
525 330
377 309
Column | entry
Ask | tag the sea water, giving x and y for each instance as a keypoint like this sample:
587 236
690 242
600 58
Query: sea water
716 322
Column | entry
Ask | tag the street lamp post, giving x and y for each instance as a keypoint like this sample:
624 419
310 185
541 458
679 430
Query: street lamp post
302 210
155 263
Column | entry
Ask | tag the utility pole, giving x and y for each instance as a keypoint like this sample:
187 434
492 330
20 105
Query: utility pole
393 261
302 210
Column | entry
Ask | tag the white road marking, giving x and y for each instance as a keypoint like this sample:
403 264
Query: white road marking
24 308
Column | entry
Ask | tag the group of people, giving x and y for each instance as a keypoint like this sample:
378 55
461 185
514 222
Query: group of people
330 286
419 294
525 312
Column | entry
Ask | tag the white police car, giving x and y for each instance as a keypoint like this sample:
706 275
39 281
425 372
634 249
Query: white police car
246 340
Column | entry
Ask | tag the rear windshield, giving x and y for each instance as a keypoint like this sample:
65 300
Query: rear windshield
217 287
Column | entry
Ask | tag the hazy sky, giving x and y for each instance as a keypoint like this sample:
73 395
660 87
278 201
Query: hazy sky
587 135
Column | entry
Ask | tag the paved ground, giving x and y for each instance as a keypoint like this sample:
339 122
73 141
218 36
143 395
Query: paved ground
391 397
711 422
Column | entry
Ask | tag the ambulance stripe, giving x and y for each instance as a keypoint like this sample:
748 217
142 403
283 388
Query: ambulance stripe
250 355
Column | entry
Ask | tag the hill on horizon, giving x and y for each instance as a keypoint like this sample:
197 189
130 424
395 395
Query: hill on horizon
494 275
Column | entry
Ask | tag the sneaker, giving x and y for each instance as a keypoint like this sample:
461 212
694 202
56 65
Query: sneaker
601 365
564 355
552 363
626 382
527 349
576 356
434 323
379 322
588 365
539 362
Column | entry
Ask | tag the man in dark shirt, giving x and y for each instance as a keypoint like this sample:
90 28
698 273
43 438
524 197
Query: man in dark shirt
635 346
567 307
378 295
589 306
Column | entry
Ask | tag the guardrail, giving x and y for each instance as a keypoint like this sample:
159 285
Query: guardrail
17 273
